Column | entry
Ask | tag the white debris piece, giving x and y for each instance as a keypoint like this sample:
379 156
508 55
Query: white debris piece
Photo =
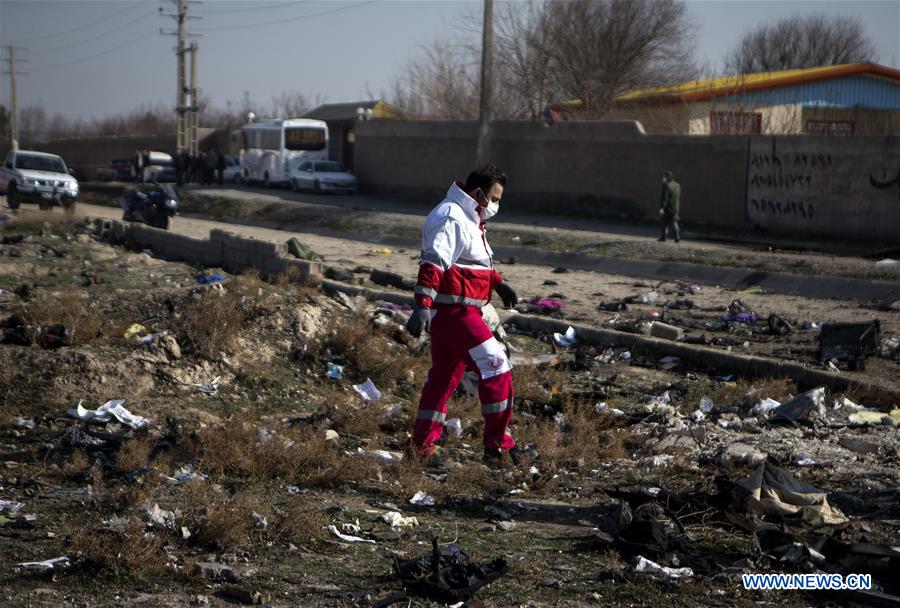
106 412
396 520
604 407
48 564
347 537
565 340
184 474
23 423
706 405
649 297
335 372
261 520
393 410
764 407
380 455
331 435
422 499
669 362
650 567
885 263
368 391
454 426
161 517
10 506
210 388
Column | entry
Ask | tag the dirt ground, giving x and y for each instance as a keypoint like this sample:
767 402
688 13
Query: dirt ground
250 476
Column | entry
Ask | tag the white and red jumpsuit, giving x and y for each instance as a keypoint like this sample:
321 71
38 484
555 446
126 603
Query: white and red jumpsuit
455 280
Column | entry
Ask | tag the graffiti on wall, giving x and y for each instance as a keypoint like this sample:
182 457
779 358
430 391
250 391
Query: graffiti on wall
794 184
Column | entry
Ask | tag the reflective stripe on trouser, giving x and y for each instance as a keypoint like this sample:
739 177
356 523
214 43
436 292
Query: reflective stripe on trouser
460 340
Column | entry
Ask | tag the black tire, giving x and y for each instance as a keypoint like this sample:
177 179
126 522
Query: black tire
160 220
12 197
317 187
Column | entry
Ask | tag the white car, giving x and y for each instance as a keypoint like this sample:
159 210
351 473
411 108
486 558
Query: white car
323 176
232 172
38 177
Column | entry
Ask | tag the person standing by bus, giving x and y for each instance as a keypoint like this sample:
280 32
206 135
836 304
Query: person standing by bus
220 167
456 278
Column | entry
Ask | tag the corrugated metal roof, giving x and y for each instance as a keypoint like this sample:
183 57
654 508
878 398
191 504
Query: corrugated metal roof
848 92
697 90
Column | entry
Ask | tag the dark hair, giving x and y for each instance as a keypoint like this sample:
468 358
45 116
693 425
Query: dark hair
485 177
668 174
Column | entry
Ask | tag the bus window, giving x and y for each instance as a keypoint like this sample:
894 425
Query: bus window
304 138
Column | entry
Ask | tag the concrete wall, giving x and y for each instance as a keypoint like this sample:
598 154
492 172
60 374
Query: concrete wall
596 169
838 186
221 250
613 169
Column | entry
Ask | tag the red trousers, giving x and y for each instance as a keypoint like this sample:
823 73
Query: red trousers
461 340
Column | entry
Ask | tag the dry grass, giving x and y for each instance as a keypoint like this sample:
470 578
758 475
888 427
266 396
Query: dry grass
212 323
370 352
237 450
134 454
43 222
73 309
299 524
126 551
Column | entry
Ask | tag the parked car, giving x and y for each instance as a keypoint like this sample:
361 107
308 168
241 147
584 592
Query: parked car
323 176
161 168
28 176
232 172
118 170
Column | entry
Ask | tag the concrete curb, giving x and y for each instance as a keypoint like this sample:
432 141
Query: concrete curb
705 358
701 357
222 249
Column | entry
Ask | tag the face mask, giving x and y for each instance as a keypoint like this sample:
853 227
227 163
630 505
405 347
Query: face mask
664 180
490 211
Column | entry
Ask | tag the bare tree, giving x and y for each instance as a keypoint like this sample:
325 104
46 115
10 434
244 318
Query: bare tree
801 42
601 48
441 83
290 105
523 70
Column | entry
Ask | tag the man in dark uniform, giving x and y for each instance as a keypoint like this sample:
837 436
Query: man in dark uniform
669 206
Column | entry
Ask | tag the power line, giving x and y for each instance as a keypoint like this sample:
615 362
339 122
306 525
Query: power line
87 25
101 54
98 37
250 8
301 17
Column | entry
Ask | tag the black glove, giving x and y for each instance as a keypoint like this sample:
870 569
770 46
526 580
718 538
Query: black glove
507 294
420 318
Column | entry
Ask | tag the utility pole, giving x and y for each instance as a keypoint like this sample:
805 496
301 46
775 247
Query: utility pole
13 129
195 103
487 79
182 128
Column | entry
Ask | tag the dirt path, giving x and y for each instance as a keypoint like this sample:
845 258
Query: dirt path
583 290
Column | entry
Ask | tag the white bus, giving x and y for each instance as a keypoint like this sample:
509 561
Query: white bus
271 149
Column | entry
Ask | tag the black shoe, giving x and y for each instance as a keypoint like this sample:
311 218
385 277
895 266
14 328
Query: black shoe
677 240
499 456
661 240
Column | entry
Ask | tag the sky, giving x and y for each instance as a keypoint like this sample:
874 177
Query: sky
90 58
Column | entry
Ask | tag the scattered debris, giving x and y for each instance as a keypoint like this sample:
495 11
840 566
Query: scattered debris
566 340
335 371
219 573
849 342
302 251
806 407
368 391
57 563
646 566
447 574
106 412
422 499
665 331
778 493
348 537
396 520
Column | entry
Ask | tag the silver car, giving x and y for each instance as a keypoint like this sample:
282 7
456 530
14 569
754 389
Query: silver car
323 176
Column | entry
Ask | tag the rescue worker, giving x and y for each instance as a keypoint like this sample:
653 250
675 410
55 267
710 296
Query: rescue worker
456 278
669 206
